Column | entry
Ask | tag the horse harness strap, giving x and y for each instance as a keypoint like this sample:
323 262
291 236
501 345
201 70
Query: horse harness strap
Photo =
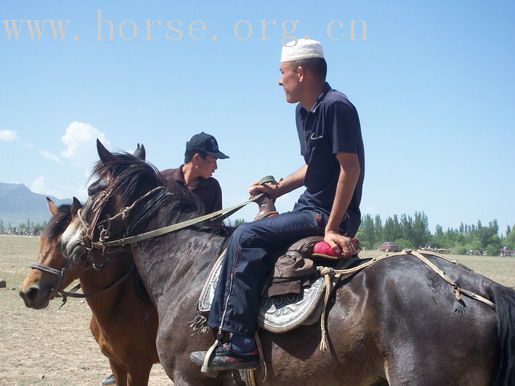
457 289
330 274
73 292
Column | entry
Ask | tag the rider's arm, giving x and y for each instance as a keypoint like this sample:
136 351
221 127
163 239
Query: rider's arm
347 180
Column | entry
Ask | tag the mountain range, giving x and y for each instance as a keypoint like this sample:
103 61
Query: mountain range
18 204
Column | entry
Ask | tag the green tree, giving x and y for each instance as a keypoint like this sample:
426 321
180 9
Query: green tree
420 230
389 232
509 241
366 233
378 228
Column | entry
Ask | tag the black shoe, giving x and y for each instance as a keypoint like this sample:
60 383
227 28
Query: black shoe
226 359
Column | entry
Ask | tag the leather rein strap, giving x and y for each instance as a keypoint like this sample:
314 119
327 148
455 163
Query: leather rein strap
217 215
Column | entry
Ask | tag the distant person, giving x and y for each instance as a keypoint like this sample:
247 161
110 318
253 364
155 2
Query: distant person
200 162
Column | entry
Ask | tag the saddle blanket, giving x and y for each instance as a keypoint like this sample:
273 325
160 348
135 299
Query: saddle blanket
279 313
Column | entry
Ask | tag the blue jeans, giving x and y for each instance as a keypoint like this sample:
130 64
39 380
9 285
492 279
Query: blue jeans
248 262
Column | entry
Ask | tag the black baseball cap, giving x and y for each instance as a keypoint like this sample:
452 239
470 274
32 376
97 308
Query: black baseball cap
206 143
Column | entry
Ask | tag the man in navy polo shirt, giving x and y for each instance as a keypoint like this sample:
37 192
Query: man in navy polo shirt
331 144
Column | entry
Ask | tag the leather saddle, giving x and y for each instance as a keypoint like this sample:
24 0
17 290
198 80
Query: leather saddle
295 291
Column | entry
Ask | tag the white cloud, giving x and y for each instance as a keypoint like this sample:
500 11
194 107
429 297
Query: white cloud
8 135
41 183
50 156
39 186
79 142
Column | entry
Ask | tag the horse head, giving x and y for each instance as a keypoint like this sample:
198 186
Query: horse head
123 196
50 274
62 256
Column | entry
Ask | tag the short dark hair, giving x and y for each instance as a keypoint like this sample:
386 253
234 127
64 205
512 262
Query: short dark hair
317 66
188 155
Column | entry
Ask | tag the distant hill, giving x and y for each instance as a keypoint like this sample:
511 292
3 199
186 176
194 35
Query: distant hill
18 203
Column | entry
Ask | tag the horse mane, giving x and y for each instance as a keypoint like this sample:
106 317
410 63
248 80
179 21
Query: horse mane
130 177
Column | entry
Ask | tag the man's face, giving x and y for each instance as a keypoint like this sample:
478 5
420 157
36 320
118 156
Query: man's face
290 81
206 166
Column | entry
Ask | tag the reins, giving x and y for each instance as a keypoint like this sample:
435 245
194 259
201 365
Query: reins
217 215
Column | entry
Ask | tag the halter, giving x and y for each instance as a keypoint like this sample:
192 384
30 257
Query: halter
103 243
88 244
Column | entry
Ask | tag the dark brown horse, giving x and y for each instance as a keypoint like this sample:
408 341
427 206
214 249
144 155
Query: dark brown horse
124 320
392 323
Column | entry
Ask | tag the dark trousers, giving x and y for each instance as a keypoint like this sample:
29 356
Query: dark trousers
249 260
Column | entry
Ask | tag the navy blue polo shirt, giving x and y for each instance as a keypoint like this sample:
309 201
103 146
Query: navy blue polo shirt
332 126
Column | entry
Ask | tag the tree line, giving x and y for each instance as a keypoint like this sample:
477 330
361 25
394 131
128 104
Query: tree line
405 230
413 232
27 228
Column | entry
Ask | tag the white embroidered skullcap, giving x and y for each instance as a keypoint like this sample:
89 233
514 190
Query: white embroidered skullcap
301 49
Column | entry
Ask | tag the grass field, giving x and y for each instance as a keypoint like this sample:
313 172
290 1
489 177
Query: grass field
54 346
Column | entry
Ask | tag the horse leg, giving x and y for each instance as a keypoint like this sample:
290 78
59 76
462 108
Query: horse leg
119 373
138 373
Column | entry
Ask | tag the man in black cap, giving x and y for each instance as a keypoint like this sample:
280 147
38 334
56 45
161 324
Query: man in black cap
200 162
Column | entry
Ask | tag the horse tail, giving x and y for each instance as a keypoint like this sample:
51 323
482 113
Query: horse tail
504 299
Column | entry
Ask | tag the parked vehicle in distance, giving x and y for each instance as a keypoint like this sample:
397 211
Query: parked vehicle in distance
389 246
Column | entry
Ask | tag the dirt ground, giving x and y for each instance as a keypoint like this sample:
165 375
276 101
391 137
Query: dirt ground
55 347
51 346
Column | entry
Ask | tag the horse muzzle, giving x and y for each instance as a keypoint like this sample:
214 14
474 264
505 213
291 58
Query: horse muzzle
35 297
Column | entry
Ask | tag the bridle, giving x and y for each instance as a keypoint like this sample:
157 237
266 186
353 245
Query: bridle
105 245
89 245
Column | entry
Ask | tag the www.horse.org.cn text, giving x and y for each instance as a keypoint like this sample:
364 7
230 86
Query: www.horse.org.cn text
111 28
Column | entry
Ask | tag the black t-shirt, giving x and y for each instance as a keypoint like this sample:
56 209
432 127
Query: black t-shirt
208 190
332 126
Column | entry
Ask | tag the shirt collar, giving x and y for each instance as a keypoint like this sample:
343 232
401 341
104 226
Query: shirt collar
322 95
178 175
320 98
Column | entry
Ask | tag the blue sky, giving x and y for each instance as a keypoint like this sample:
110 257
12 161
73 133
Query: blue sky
433 84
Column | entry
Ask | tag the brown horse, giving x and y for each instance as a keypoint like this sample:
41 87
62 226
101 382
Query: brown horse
392 323
124 320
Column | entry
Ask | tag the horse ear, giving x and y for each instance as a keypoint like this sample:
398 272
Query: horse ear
52 206
104 154
140 152
76 205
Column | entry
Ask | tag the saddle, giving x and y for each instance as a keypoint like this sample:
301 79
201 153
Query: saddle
293 295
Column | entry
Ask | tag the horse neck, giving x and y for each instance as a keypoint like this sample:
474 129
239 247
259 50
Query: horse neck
176 265
96 282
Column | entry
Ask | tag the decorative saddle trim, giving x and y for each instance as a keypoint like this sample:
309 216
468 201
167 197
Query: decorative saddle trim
277 314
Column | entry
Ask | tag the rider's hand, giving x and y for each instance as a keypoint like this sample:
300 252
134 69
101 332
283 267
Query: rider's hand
271 190
341 245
